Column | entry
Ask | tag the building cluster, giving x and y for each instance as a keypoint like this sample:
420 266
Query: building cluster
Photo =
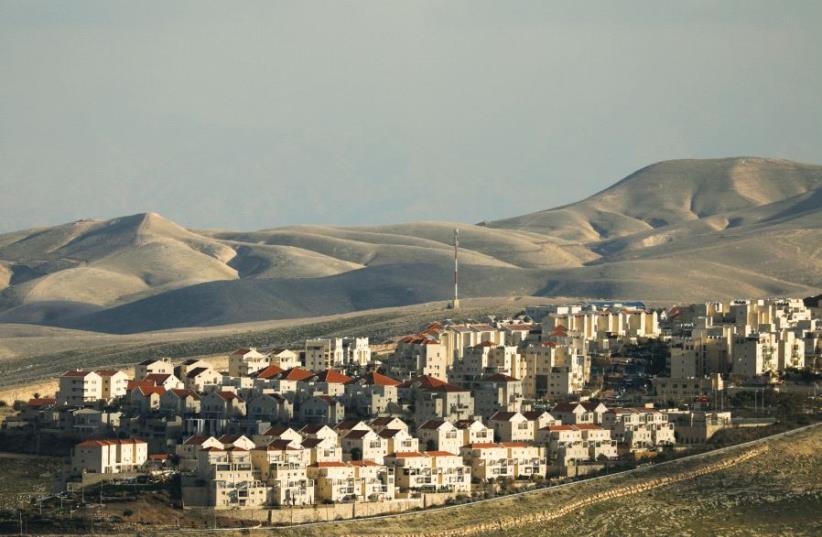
449 409
743 341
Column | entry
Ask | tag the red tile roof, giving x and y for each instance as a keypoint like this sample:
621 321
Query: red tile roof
277 430
438 453
312 442
432 424
296 373
424 381
484 445
269 372
533 415
384 420
314 428
37 402
587 427
349 423
503 416
447 388
150 390
196 440
330 464
407 454
500 377
331 376
358 433
377 379
157 378
552 428
134 384
196 371
181 393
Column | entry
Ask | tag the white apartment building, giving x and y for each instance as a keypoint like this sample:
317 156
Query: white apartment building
245 362
115 384
109 456
79 387
159 366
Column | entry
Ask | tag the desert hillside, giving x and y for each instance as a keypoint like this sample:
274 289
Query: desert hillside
674 231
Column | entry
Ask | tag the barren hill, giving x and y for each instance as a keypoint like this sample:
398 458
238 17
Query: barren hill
676 230
674 192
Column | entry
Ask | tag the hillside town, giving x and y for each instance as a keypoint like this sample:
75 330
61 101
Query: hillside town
454 410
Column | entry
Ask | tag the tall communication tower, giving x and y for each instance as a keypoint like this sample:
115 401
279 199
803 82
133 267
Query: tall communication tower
456 303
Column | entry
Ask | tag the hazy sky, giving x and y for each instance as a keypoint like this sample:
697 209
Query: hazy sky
260 114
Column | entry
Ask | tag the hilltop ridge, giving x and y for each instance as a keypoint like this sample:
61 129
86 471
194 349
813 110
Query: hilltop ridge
678 230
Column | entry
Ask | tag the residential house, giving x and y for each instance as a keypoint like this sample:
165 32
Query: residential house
322 409
373 394
182 402
222 405
365 445
159 366
245 362
203 379
511 427
440 435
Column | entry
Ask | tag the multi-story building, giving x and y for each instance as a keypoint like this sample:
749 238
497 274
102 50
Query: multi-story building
488 461
322 409
201 379
231 478
109 456
356 351
114 384
473 432
448 472
511 427
283 466
364 445
245 362
377 480
79 387
412 471
222 405
440 435
372 395
157 366
445 401
399 440
284 358
639 428
322 354
495 393
419 355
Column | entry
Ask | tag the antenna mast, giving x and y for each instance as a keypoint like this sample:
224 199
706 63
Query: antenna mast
456 303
